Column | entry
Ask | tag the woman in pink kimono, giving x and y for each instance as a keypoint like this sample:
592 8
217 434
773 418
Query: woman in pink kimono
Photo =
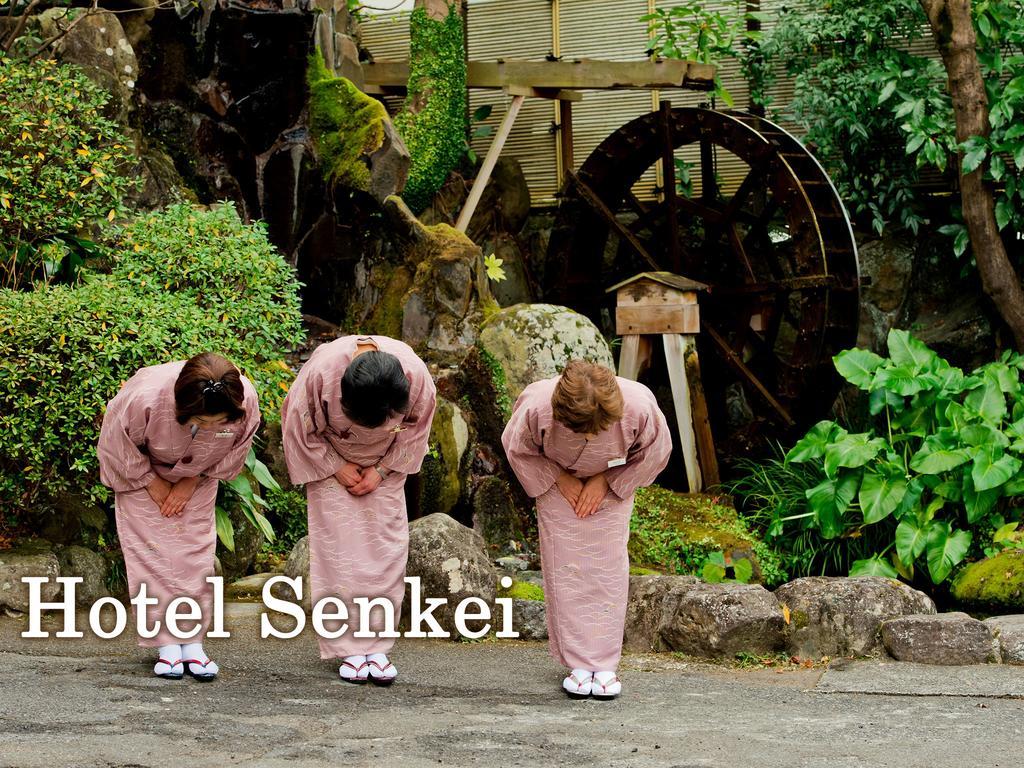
168 437
355 423
581 444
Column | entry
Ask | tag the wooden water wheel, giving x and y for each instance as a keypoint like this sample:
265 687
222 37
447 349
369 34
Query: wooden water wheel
777 251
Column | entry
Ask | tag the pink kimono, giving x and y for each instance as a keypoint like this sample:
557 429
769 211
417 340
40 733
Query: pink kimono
584 561
358 545
141 439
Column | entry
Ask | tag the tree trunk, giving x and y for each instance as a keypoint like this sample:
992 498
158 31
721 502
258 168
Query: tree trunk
953 29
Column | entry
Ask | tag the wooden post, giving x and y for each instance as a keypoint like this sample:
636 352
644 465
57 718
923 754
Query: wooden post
488 165
668 172
565 137
676 346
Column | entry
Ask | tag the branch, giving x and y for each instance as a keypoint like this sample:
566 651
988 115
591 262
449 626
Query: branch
20 26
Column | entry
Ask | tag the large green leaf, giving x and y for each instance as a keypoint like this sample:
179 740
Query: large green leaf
263 477
880 495
225 528
911 539
946 548
992 467
858 366
902 379
904 349
851 451
829 501
873 566
813 444
936 455
983 435
988 400
978 504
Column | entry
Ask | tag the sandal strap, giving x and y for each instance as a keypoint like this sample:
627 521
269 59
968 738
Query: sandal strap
350 665
378 666
202 664
579 683
169 663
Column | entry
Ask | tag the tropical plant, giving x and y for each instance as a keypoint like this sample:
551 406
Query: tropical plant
946 451
242 491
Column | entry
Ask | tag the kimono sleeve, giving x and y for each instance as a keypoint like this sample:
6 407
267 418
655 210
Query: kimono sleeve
123 466
307 452
405 455
648 454
231 465
523 443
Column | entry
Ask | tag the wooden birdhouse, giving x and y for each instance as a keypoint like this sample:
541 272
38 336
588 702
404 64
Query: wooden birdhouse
663 304
657 303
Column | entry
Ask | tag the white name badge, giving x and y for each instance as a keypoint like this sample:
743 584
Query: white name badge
616 462
232 434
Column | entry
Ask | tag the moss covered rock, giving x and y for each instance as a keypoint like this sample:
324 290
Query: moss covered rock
495 515
996 583
674 532
535 341
441 477
523 590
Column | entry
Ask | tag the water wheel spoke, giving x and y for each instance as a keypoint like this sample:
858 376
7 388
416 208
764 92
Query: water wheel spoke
736 362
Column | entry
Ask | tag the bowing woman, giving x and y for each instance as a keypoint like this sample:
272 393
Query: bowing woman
168 437
581 444
355 423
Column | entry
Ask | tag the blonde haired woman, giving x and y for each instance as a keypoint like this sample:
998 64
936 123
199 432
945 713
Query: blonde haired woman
581 444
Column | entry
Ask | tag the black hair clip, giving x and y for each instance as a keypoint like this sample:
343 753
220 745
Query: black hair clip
212 386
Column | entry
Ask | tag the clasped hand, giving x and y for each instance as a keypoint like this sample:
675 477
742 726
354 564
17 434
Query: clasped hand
584 497
359 481
172 497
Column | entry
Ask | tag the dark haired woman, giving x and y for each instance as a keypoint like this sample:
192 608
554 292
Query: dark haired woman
355 424
581 444
168 437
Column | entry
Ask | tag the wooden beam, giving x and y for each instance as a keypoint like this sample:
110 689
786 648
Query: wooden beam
565 136
490 160
598 205
676 346
668 172
567 75
555 94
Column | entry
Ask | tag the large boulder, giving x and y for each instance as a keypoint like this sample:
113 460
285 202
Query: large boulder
451 563
948 639
529 619
679 613
994 584
535 341
1009 630
841 616
889 263
91 567
33 558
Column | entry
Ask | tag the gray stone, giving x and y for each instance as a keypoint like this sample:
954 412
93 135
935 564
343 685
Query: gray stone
948 639
841 616
91 566
297 567
451 563
442 482
721 620
514 288
505 202
646 609
34 558
389 165
1010 632
529 619
535 341
248 588
513 563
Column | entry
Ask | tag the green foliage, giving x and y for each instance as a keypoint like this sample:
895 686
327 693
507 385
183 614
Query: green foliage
345 123
692 31
504 400
676 533
65 351
523 590
241 490
62 167
288 514
228 268
717 565
434 131
946 450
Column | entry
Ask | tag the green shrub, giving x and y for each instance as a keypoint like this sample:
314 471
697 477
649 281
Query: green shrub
676 533
65 351
523 590
288 514
229 269
931 474
62 165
